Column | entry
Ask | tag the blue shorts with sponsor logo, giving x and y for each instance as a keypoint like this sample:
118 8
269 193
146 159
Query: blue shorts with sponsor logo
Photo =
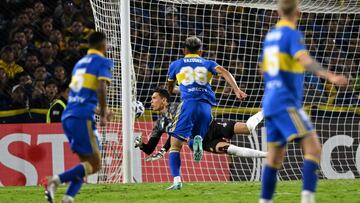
287 126
82 135
192 118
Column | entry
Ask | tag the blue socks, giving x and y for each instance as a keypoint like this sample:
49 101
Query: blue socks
268 182
75 173
74 187
174 162
75 177
309 175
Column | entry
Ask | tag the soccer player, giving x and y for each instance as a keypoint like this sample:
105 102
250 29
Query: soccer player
284 60
216 139
193 75
90 78
160 101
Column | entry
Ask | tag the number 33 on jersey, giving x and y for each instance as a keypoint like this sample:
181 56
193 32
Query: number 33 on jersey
194 74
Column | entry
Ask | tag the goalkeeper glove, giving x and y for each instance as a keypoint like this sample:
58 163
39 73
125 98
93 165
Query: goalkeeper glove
156 156
138 141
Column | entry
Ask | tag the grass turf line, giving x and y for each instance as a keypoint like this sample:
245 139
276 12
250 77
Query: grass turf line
343 191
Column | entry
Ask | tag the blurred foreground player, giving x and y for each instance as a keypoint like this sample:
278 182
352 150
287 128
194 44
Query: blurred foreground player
193 75
285 59
89 81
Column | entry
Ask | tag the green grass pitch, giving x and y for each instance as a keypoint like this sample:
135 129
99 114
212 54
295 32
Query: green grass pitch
339 191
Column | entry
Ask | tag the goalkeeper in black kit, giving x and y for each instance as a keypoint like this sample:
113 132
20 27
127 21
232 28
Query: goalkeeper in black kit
217 139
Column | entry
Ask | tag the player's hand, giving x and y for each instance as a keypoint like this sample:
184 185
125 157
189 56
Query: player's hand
240 94
156 156
339 80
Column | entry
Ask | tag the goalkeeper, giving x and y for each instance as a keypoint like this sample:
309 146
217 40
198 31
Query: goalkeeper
159 102
217 139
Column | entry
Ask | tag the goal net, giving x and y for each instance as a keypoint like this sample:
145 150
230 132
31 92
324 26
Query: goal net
232 32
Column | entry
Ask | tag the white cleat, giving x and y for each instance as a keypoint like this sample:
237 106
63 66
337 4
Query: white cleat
254 120
307 197
50 189
67 199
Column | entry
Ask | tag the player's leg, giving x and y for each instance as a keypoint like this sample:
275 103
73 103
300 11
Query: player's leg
180 132
85 144
250 125
275 155
175 162
202 119
301 128
312 152
274 161
221 146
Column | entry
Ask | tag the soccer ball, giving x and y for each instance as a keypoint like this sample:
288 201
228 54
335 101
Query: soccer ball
139 108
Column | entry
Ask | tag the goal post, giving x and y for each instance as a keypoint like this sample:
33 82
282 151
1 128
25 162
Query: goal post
232 32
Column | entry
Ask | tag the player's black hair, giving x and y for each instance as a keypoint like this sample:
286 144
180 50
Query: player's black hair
193 44
163 93
95 39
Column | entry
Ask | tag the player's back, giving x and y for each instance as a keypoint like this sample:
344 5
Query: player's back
82 99
194 74
283 74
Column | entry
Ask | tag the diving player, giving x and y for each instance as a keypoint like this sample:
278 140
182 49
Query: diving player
284 60
90 78
216 139
193 75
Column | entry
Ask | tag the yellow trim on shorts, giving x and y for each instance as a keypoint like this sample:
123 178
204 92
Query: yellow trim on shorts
312 158
92 138
177 116
297 136
299 125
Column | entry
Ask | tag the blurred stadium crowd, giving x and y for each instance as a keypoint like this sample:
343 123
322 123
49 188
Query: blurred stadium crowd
42 40
40 43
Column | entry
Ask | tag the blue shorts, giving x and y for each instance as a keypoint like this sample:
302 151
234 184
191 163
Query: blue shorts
192 118
82 135
287 126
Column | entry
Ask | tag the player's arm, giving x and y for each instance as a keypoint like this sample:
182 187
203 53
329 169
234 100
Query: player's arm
172 88
154 139
171 84
221 71
315 67
299 52
101 94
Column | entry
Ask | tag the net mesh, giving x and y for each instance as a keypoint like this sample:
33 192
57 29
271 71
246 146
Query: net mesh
232 32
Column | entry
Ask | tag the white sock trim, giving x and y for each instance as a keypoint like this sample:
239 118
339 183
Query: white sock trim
245 152
177 179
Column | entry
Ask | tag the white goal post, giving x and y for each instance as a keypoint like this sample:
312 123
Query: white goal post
232 32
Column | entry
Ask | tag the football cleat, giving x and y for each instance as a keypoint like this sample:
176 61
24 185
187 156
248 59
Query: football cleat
175 186
197 148
50 189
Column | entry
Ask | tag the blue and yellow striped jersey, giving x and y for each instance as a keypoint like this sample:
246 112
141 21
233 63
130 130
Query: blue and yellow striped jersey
194 75
87 72
283 74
